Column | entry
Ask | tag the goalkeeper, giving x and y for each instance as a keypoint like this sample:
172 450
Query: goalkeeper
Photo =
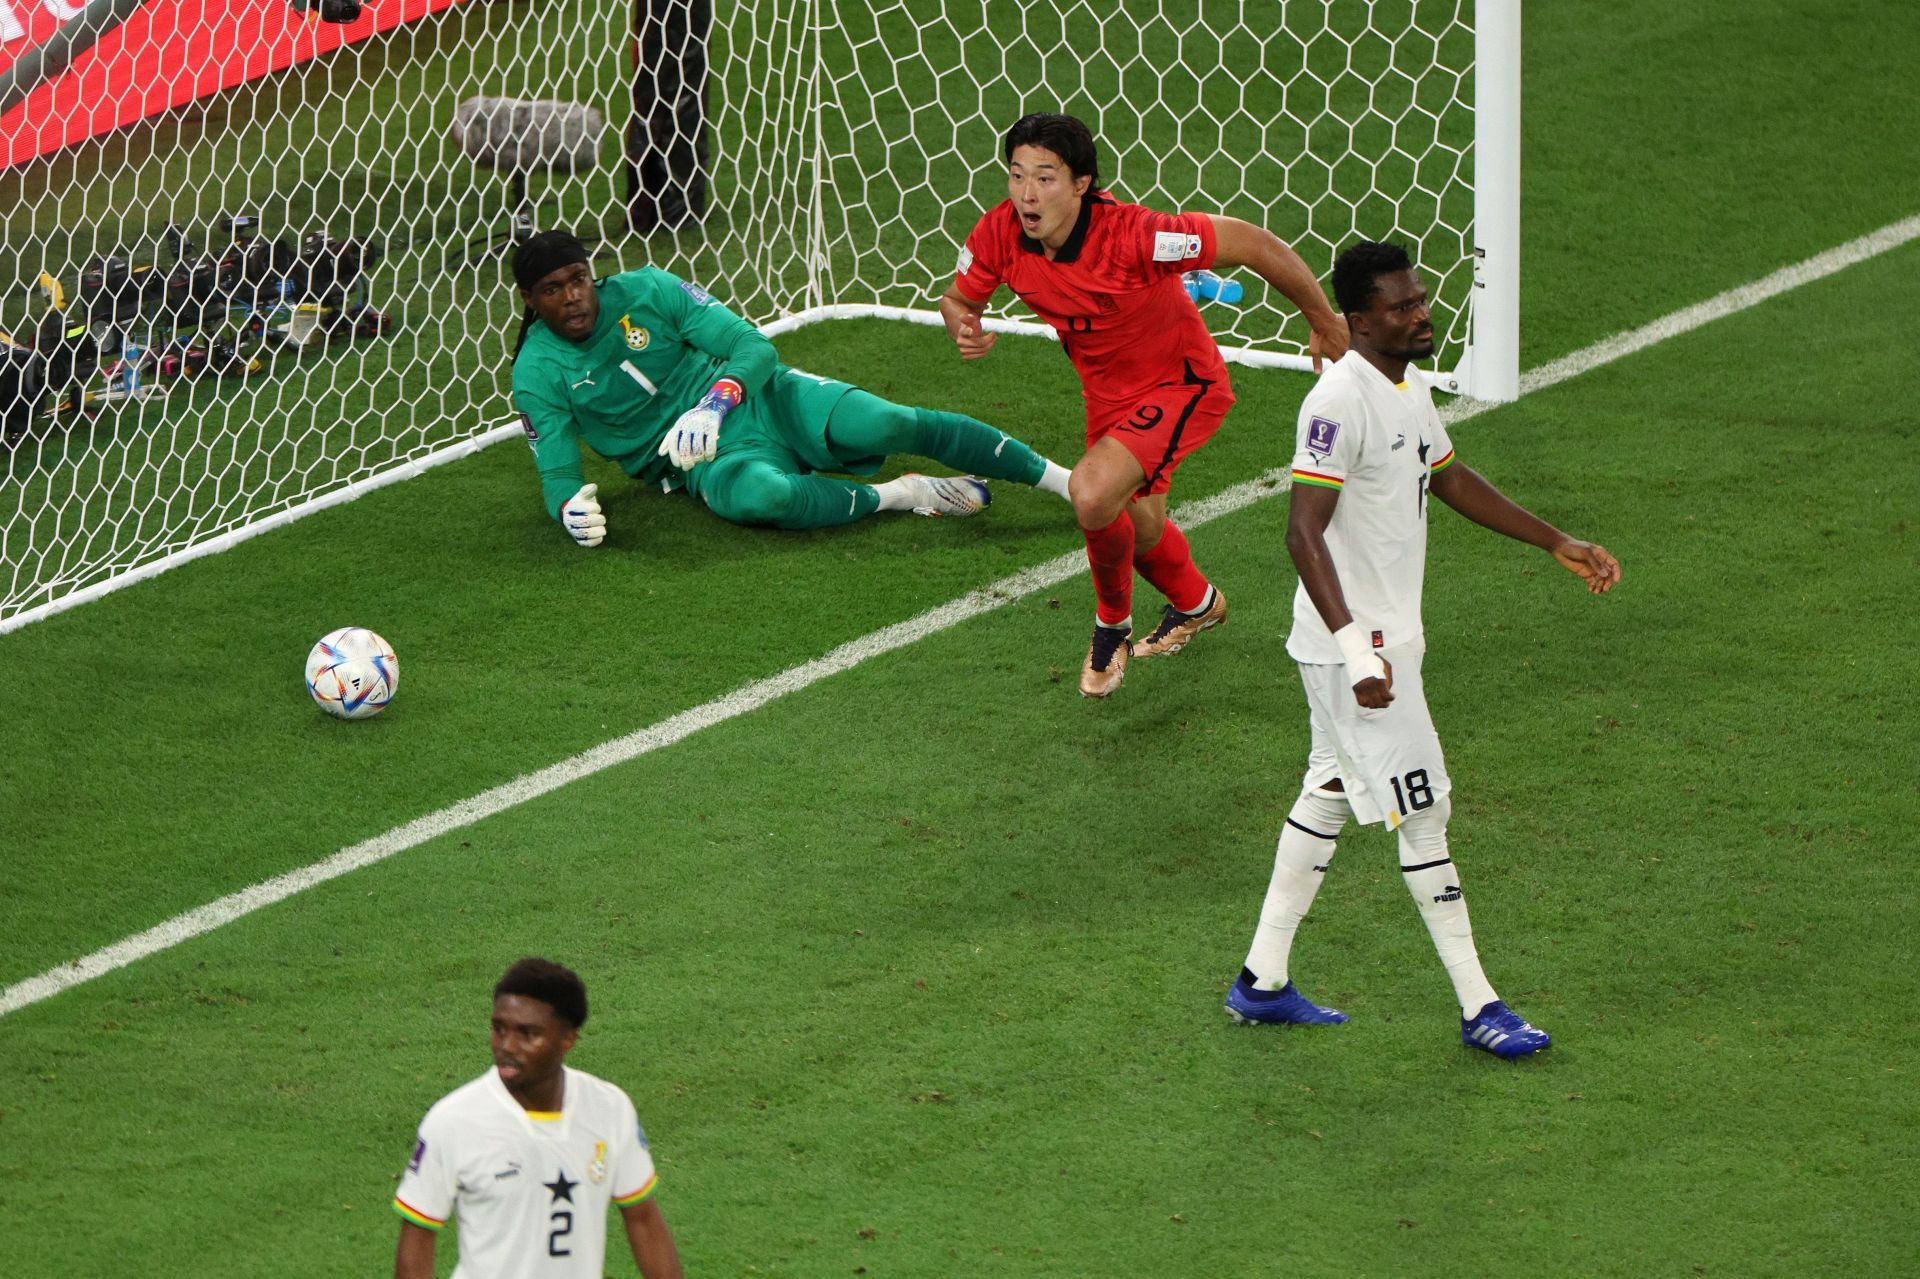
674 388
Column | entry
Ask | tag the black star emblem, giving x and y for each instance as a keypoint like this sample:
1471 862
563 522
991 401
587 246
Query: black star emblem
561 1187
1423 452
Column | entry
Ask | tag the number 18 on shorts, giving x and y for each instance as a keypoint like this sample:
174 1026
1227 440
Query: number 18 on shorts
1389 760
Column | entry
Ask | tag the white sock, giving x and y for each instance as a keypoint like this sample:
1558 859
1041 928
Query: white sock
1436 891
1307 843
1435 884
902 494
1206 602
1054 480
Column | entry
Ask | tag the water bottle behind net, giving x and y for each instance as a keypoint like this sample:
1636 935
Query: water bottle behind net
1206 286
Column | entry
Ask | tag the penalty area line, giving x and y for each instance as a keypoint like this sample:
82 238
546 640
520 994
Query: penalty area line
520 790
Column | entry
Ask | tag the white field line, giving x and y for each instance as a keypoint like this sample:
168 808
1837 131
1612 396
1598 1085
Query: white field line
644 741
1819 266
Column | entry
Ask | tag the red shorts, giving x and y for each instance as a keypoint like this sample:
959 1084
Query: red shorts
1162 426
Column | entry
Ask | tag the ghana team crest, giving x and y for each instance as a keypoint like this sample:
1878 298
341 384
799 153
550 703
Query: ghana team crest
637 337
597 1169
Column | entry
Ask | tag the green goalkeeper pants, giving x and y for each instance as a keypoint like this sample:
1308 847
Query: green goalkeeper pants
766 477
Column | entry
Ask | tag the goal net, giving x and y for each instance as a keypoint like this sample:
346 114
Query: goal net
271 296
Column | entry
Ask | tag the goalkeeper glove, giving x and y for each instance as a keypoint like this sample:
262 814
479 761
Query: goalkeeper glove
582 518
696 434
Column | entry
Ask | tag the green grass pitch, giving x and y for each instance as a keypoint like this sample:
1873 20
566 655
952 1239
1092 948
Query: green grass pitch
918 972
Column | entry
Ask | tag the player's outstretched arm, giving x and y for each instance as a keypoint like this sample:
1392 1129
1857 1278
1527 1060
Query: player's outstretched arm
551 434
414 1257
652 1243
1470 493
1238 243
962 315
1309 512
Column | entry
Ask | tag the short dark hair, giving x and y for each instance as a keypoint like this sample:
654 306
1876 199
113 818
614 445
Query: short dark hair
552 984
1357 272
1063 135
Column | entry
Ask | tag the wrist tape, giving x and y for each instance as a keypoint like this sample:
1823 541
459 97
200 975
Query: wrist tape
1357 653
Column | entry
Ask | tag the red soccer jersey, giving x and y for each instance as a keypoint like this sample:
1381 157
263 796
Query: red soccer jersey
1112 292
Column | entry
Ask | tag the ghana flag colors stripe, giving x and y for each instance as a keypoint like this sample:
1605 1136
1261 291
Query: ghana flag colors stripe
417 1217
628 1201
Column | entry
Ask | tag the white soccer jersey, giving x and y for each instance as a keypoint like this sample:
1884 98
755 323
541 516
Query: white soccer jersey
1378 444
531 1193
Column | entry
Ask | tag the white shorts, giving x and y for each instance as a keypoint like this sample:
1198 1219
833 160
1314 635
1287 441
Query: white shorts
1389 760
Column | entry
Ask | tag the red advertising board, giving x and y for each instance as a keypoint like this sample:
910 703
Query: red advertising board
167 54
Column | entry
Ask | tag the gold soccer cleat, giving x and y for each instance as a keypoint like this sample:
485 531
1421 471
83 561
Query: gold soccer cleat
1177 629
1106 662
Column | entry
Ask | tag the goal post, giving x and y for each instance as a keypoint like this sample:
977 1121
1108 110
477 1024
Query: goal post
208 377
1489 368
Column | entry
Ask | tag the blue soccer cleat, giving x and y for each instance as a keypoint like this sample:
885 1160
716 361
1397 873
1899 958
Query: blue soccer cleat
1503 1032
1283 1007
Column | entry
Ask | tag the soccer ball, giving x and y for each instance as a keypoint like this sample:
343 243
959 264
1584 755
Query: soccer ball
352 673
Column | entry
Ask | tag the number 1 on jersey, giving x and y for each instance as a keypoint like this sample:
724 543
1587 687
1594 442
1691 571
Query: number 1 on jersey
639 377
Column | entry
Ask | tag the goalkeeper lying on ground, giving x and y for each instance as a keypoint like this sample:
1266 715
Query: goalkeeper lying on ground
670 385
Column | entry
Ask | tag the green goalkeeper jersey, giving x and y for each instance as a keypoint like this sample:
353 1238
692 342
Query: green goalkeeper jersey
659 345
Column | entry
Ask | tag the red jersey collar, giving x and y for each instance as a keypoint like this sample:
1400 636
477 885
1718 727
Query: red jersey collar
1077 238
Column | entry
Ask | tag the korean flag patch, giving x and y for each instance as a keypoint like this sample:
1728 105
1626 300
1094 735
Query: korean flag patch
1321 433
1172 246
966 261
699 295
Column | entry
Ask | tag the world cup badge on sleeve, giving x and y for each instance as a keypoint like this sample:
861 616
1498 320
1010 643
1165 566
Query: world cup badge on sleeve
419 1153
1321 433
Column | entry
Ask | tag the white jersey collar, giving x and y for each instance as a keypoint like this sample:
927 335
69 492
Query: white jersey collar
498 1087
1365 370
